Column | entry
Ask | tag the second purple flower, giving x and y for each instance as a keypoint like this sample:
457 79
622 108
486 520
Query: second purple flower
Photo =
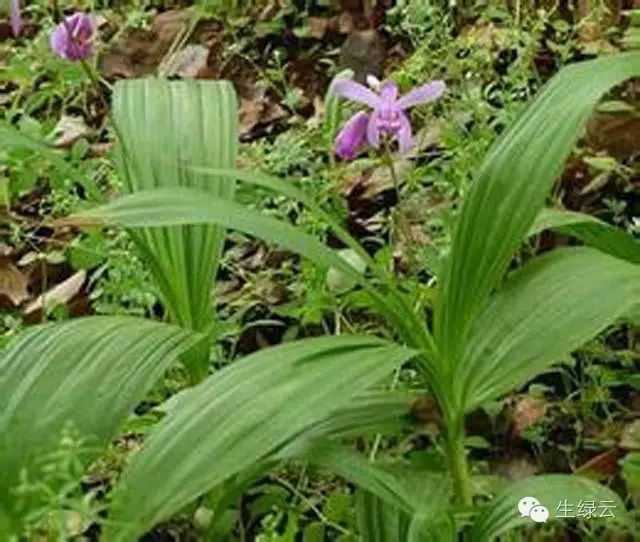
387 118
73 38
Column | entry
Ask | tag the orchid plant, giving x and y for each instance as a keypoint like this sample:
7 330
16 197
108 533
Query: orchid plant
492 330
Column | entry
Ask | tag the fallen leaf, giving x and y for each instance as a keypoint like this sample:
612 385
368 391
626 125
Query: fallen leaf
13 283
516 468
318 26
604 464
68 130
257 114
60 294
187 63
138 52
630 437
527 411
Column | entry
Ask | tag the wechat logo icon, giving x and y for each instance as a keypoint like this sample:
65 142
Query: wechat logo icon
530 507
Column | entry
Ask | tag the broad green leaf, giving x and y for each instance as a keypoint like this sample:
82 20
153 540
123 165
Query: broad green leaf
370 413
394 502
379 521
552 491
426 494
88 371
589 230
544 311
164 126
244 414
511 187
182 206
176 206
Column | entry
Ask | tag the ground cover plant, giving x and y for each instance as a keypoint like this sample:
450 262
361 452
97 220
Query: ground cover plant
303 294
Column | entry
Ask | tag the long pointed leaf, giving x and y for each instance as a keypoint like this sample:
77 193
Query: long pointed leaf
241 415
545 310
176 206
88 371
589 230
510 189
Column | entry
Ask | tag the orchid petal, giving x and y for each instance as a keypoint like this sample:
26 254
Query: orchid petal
355 91
352 136
15 17
389 93
373 130
404 136
424 94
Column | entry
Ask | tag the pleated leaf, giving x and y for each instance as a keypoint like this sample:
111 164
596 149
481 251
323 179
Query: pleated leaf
551 490
589 230
240 416
548 308
511 187
164 127
88 371
380 521
422 493
178 206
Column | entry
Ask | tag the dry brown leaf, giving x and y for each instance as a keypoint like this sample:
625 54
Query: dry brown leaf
68 130
604 464
13 283
138 52
527 412
60 294
257 111
189 62
630 437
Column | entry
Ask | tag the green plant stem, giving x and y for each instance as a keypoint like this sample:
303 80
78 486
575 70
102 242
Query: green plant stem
459 466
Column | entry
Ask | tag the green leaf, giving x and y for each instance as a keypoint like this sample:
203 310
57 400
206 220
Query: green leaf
502 514
181 206
414 492
244 414
379 521
631 471
175 206
544 311
394 502
163 126
511 187
590 231
88 371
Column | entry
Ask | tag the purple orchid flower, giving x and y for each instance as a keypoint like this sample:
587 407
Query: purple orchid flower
15 17
72 39
387 120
